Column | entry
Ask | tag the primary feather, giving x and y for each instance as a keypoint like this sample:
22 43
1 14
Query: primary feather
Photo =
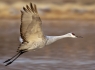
30 23
32 36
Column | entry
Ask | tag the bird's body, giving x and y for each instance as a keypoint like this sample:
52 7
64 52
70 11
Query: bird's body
32 36
38 43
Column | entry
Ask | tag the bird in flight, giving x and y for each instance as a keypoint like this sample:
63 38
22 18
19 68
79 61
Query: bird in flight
32 36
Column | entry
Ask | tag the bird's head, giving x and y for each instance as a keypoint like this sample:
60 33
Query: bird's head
72 35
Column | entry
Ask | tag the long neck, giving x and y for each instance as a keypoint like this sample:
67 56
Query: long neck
51 39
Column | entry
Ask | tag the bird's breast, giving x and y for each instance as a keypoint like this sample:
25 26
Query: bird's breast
37 43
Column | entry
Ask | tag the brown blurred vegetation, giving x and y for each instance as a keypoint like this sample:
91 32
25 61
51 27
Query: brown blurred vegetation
51 9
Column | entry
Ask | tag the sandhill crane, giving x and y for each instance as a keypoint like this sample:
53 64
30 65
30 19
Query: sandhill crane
32 34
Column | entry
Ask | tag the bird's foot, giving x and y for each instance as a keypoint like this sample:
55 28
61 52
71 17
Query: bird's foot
6 60
8 63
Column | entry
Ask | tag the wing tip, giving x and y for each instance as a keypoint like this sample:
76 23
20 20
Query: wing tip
24 9
21 11
31 8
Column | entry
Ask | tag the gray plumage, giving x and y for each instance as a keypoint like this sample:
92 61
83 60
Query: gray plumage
32 36
31 31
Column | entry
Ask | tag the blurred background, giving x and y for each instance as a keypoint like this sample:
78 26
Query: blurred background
58 17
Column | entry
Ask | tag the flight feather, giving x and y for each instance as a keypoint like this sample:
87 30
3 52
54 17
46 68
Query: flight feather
30 23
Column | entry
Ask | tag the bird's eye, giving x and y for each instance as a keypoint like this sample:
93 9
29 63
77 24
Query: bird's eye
73 34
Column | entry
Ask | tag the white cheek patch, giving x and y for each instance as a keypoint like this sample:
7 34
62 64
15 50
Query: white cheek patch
20 39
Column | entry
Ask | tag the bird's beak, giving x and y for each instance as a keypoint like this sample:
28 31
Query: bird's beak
79 36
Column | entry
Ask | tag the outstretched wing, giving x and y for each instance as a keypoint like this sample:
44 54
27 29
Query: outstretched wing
30 23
